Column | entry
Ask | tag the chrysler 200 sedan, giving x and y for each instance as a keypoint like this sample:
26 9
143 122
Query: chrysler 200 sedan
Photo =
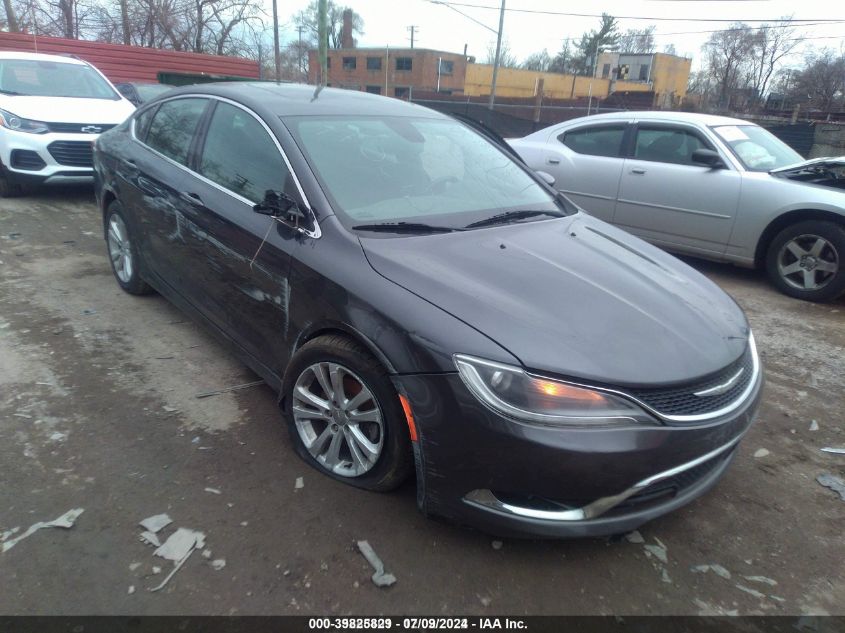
425 304
708 186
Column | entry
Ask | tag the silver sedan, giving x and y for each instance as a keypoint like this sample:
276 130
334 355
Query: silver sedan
709 186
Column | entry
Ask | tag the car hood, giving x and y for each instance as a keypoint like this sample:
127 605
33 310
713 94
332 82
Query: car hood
574 297
67 109
828 161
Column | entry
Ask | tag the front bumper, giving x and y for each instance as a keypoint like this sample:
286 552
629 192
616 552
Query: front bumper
478 468
51 158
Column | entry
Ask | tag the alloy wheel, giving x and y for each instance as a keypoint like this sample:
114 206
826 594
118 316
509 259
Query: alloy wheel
120 249
338 419
808 262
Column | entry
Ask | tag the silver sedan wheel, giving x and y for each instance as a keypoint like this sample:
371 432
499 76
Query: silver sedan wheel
120 250
338 419
808 262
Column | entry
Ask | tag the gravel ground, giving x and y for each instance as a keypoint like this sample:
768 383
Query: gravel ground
98 411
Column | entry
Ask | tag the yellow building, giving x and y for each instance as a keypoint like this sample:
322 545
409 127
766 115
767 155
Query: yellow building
665 75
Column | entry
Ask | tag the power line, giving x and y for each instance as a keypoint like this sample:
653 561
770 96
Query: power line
451 4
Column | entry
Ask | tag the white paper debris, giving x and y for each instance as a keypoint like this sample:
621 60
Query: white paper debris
156 570
751 591
134 566
716 569
300 483
213 491
206 553
155 523
180 544
65 521
761 452
833 449
9 533
634 537
814 426
131 590
149 538
658 551
218 564
762 579
380 578
837 484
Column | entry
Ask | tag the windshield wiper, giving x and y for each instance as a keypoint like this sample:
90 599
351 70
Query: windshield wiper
12 93
508 216
405 227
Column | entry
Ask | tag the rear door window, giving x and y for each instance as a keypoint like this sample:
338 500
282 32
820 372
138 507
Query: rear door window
604 140
240 155
173 126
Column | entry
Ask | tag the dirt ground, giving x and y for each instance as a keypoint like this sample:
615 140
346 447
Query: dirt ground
98 411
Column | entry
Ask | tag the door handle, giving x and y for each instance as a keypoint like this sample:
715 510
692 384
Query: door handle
191 198
553 161
148 187
638 170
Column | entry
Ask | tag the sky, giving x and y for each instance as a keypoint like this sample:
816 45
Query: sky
680 22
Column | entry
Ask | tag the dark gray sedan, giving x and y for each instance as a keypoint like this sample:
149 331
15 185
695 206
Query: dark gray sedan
426 305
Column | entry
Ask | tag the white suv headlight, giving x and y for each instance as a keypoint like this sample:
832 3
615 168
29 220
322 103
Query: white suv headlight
16 123
514 393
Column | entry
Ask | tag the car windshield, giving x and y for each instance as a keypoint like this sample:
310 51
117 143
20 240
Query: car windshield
415 171
756 148
38 78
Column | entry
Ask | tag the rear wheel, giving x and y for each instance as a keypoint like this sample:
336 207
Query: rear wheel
344 415
807 260
123 252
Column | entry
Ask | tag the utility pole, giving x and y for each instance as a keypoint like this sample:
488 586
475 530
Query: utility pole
593 74
300 28
322 11
498 52
277 57
413 29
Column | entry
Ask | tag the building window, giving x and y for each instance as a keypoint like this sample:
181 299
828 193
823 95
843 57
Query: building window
644 72
349 63
328 62
404 63
605 71
376 90
446 67
444 92
402 92
374 63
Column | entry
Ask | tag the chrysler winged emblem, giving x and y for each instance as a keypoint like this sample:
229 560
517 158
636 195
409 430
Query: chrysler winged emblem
720 389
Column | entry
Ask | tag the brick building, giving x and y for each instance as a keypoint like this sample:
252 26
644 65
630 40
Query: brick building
392 72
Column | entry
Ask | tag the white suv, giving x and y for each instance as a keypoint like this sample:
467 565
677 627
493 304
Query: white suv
52 108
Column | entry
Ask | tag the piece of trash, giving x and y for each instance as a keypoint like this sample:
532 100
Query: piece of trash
149 538
156 522
814 426
244 523
65 521
196 440
170 409
497 545
206 553
180 543
380 578
57 437
134 566
665 577
218 564
9 533
300 483
762 579
777 598
324 566
634 537
716 569
658 551
216 392
751 591
176 568
837 484
156 570
131 590
485 601
213 491
761 452
834 449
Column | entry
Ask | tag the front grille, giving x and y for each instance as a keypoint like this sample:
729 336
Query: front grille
72 153
76 128
27 159
683 401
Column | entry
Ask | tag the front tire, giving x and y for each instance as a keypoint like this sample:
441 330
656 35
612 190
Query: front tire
8 187
123 252
806 260
344 415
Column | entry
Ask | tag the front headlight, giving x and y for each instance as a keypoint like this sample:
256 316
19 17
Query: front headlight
516 394
16 123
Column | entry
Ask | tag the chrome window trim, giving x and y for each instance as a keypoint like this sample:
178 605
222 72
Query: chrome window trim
315 233
486 500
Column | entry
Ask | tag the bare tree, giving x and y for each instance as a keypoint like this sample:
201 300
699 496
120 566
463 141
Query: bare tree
307 19
772 43
11 16
506 58
669 49
537 61
562 62
821 82
726 55
637 41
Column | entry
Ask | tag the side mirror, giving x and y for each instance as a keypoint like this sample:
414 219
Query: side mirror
282 207
547 177
707 157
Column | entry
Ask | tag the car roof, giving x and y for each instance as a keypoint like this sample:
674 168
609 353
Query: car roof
289 99
41 57
652 115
